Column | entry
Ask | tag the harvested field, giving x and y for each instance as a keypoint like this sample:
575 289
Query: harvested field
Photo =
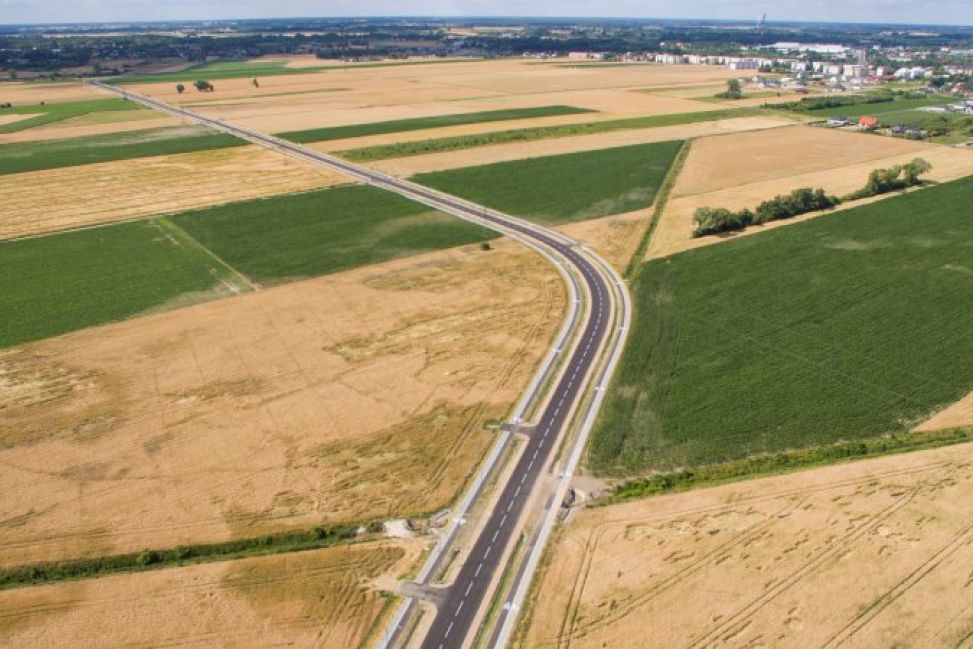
537 148
953 416
320 599
58 199
24 93
67 128
869 554
742 170
9 118
847 327
350 397
55 154
376 94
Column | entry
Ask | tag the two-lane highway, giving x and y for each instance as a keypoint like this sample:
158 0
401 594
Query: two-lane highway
597 337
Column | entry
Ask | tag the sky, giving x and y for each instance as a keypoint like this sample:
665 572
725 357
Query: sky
882 11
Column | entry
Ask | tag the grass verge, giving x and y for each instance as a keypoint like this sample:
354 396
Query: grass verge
50 113
850 326
785 462
661 200
419 123
563 188
52 154
278 543
456 143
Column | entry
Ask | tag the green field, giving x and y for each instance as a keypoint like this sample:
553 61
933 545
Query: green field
878 109
847 327
418 123
561 188
238 69
325 231
78 279
51 154
402 149
50 113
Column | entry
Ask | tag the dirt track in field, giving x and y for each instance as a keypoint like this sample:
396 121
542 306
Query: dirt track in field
56 199
318 599
870 554
354 396
742 170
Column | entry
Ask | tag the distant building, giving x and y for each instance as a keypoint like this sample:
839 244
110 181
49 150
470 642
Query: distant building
868 123
839 121
587 56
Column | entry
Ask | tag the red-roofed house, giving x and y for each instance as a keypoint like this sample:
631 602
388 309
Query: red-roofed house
868 123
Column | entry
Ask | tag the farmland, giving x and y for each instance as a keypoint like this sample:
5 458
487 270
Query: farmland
89 277
44 114
288 237
326 599
419 123
71 197
350 397
868 554
53 154
570 187
803 335
456 143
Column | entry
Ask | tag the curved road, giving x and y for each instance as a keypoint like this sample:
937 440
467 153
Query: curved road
471 590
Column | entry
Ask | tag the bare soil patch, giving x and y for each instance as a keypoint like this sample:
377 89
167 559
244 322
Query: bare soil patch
742 170
355 396
323 598
870 554
57 199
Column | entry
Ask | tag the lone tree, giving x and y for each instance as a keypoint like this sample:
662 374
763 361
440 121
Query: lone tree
256 84
733 90
203 86
180 88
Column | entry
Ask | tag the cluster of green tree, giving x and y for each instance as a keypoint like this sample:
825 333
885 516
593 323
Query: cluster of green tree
711 220
292 541
883 181
733 90
824 103
800 201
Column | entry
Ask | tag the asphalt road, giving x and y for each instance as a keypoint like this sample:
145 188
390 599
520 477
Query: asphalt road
471 591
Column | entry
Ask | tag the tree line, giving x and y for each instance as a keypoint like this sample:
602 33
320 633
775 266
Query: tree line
709 220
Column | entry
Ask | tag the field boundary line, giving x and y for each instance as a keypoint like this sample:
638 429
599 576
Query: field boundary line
636 262
182 236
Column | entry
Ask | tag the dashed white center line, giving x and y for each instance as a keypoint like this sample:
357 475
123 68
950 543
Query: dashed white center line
458 608
448 629
468 589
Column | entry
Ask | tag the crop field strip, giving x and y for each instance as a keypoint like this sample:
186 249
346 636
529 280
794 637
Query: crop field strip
239 69
56 112
72 197
851 326
52 154
877 109
563 188
420 123
460 142
325 231
89 277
